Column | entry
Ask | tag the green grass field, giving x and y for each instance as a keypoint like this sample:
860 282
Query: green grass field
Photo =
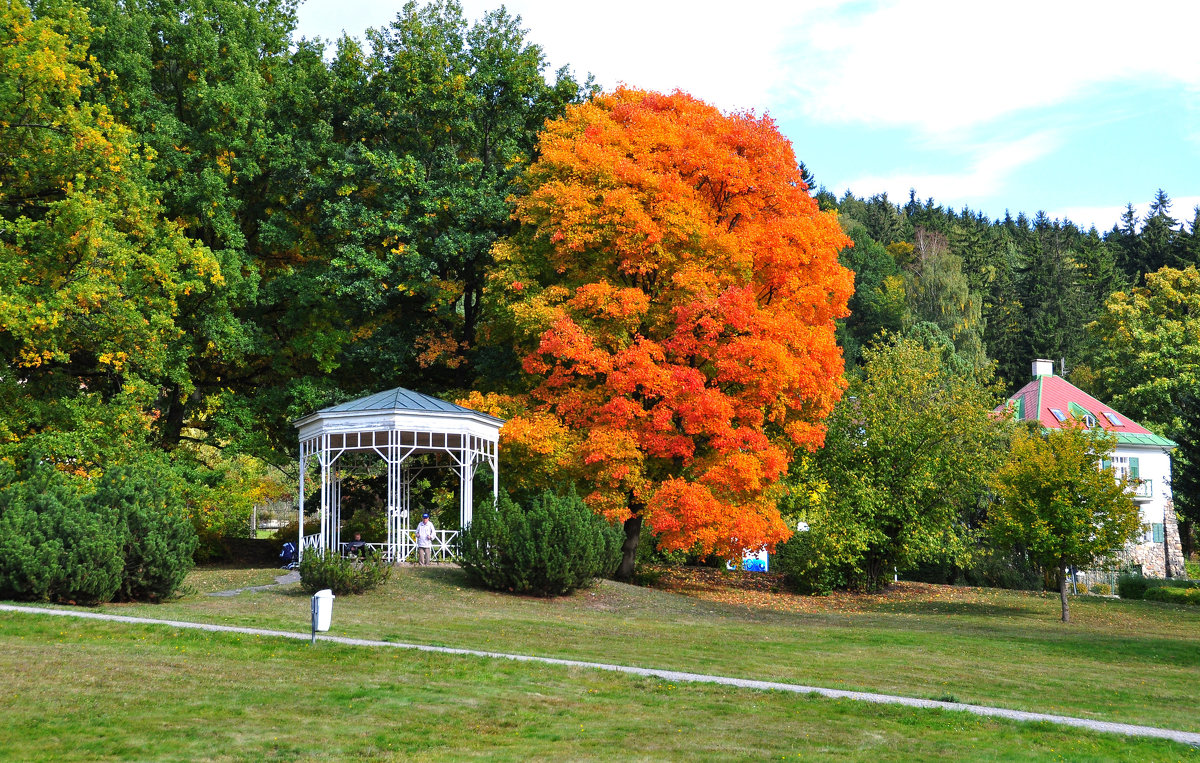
82 690
93 690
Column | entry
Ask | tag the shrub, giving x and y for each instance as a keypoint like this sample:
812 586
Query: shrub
1132 586
1174 594
549 549
371 524
1081 588
53 545
1102 589
321 569
812 563
157 538
127 539
289 532
1138 587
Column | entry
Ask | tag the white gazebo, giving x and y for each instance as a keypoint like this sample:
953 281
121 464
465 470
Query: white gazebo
411 432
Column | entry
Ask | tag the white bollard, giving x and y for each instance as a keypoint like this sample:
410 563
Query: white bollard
322 611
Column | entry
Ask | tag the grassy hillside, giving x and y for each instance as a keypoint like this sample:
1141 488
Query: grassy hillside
82 690
1136 662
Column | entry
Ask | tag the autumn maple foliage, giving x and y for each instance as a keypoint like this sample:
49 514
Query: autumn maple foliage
674 290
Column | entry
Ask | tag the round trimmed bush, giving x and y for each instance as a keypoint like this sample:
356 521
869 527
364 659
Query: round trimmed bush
548 549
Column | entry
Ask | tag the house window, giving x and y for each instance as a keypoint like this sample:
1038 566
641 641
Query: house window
1156 533
1120 466
1113 419
1058 415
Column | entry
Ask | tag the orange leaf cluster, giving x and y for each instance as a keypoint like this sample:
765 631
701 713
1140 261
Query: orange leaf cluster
678 295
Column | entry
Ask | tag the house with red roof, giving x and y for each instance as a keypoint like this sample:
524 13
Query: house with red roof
1140 455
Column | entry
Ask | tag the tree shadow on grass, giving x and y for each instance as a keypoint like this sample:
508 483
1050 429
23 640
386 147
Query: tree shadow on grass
960 608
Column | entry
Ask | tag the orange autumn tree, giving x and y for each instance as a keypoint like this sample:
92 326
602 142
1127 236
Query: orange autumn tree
673 290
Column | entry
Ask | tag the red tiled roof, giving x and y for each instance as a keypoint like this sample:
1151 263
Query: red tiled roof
1046 392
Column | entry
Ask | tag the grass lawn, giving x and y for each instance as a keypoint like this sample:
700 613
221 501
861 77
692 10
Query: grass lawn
1130 661
85 690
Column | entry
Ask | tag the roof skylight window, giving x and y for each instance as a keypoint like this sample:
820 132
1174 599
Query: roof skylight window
1058 415
1114 419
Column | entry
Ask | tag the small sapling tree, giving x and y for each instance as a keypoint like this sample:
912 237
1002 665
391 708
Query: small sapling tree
1056 501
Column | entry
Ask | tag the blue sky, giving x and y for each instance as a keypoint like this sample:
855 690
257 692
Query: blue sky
1074 108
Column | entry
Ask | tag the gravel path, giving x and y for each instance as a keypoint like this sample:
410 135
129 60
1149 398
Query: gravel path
1128 729
281 580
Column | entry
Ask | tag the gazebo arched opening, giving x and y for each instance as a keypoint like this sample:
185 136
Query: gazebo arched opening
410 432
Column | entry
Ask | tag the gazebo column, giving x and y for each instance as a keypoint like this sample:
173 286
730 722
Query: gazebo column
304 448
405 520
466 477
495 472
323 506
335 524
391 509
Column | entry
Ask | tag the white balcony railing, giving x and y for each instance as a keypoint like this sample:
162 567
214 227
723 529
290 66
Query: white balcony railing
1141 490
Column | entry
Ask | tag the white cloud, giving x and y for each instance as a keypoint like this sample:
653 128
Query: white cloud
729 55
947 65
987 173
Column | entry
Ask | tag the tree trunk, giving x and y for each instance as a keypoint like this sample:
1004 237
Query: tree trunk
1186 542
1062 592
172 430
633 534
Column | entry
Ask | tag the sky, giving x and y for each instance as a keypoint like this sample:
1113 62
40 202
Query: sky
1071 108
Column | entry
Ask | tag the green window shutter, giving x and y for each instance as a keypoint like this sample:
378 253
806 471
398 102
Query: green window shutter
1134 472
1021 408
1157 530
1105 464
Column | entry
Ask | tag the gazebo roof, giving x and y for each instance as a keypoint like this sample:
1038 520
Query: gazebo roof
398 399
402 410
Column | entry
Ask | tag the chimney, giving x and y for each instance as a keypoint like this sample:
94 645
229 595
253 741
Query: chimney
1042 367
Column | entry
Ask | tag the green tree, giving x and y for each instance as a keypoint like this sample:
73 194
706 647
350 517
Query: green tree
1054 311
1055 501
1147 363
1149 348
907 456
94 276
1124 236
938 292
440 118
1158 238
1185 470
878 304
549 547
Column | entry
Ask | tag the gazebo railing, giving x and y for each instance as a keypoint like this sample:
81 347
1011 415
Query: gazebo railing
445 546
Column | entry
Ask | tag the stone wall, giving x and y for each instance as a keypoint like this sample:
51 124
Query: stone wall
1159 560
1174 548
1151 556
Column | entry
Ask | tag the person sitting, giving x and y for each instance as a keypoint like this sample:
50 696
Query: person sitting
356 546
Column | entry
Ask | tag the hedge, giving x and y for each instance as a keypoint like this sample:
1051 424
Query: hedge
1138 587
1174 594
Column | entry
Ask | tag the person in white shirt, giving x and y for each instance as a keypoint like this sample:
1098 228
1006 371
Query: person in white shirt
425 532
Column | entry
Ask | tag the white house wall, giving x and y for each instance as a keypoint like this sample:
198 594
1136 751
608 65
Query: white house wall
1155 465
